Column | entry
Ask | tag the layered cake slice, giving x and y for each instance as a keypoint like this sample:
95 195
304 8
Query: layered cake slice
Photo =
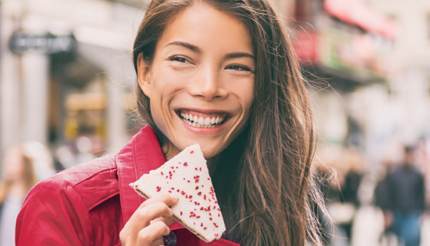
186 177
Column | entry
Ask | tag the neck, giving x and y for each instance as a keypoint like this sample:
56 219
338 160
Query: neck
169 150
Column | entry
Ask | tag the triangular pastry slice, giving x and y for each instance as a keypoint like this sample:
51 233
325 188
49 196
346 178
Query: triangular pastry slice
186 177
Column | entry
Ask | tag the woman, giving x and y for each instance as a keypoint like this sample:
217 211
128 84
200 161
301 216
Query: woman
217 73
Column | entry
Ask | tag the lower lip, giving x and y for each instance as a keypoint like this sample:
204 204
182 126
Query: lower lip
204 130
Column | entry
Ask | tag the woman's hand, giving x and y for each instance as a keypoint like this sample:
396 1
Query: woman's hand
149 223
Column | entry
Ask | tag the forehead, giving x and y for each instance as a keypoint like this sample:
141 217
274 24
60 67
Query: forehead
207 27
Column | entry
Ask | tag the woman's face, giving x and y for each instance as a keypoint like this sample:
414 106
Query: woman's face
201 80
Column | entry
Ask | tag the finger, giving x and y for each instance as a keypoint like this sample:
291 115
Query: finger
140 219
159 242
152 233
143 215
166 198
167 220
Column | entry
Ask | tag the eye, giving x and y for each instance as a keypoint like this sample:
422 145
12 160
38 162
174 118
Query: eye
240 68
179 58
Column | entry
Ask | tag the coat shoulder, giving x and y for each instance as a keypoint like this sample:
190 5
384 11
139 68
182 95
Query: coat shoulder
94 181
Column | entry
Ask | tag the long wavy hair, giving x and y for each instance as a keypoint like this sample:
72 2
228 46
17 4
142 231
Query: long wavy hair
266 187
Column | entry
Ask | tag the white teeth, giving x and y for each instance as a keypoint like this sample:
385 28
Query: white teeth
200 121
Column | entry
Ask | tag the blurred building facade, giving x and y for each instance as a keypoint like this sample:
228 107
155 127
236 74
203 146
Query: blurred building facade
409 80
344 48
368 63
51 95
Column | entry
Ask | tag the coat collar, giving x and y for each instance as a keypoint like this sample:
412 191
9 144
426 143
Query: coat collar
141 155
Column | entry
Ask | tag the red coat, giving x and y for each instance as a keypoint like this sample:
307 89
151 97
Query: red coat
89 204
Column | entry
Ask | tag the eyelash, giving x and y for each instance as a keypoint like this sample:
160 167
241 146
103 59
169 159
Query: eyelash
240 68
236 67
180 59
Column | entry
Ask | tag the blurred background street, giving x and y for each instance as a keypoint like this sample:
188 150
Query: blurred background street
67 95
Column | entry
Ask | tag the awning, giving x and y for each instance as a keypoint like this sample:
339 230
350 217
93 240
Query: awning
355 12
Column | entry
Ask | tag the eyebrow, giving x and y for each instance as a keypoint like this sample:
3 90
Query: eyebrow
185 45
239 55
196 49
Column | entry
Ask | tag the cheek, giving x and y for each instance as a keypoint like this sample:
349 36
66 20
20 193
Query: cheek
163 92
245 93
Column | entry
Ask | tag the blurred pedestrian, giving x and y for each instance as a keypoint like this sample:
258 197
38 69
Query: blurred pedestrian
350 187
406 194
19 177
382 199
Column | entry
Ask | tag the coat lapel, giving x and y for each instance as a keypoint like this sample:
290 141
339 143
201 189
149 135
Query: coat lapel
141 155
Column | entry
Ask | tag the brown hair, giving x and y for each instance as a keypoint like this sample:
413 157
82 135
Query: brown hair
266 197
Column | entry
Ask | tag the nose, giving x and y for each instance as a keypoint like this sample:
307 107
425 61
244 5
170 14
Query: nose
208 85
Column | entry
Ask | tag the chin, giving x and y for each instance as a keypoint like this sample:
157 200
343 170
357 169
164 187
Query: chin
209 150
209 153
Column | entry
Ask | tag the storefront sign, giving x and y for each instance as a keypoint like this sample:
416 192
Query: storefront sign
47 43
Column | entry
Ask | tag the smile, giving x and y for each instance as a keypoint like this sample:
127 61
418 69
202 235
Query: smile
201 119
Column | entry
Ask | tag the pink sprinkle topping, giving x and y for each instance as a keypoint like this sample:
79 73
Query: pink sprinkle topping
192 214
185 164
158 188
207 209
196 179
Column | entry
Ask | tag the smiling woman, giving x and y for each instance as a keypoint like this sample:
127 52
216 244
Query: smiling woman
217 73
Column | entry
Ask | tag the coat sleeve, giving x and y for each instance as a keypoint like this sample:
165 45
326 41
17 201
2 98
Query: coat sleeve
52 214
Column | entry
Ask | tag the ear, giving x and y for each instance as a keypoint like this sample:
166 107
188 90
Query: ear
143 76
